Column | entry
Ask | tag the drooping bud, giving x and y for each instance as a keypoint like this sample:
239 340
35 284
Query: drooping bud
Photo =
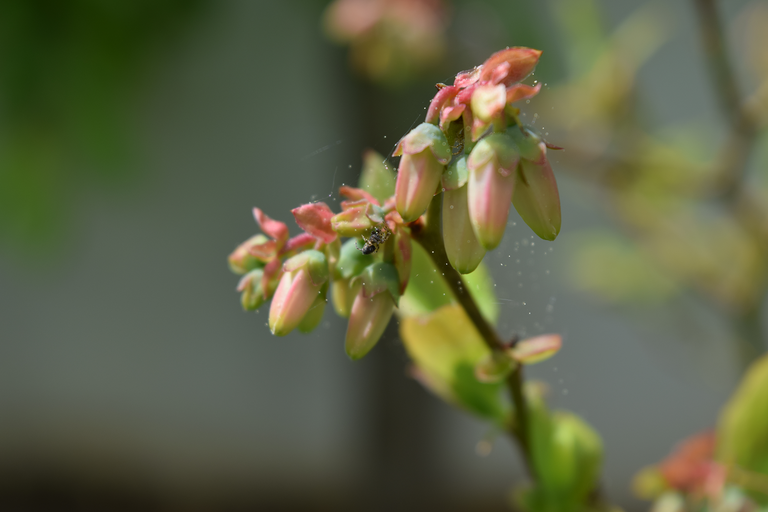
241 260
301 283
461 245
403 256
491 182
372 308
252 295
367 321
424 153
342 295
536 198
315 314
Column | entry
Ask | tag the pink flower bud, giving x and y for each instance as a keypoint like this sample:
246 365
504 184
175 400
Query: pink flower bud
373 307
367 321
536 198
403 256
509 66
241 260
491 182
461 245
353 221
315 314
315 219
425 152
300 285
343 296
252 295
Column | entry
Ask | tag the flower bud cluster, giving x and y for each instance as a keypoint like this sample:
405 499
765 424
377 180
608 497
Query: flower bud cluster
474 148
296 273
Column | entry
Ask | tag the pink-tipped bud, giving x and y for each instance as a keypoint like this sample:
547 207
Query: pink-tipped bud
491 182
242 260
315 314
367 321
461 245
343 295
299 286
315 219
379 291
251 292
354 220
509 66
424 153
536 198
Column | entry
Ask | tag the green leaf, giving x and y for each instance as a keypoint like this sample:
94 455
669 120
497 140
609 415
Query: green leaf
426 291
377 178
615 270
445 348
480 286
742 433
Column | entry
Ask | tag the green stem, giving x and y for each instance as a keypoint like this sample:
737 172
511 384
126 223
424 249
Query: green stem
736 151
430 237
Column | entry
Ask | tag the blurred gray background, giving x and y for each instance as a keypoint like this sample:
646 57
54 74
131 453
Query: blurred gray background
129 373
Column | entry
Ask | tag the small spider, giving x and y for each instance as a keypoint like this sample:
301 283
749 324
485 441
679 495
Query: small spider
378 236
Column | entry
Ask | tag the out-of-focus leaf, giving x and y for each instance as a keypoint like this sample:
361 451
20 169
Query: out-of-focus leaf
566 455
614 270
377 177
426 289
445 348
742 434
649 483
480 285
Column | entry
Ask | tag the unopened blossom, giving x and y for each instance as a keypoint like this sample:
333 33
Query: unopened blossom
462 247
372 309
536 198
265 253
302 281
492 164
424 152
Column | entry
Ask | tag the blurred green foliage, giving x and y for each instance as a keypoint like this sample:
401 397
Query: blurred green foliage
69 73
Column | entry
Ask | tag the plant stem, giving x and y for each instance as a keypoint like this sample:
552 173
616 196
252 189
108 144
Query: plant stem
430 237
735 153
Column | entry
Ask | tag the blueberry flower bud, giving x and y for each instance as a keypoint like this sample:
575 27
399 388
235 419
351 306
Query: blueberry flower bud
367 321
536 198
372 308
241 260
461 245
315 314
301 283
424 153
252 295
492 166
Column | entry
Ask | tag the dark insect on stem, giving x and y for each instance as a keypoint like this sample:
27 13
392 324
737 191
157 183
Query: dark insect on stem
378 237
